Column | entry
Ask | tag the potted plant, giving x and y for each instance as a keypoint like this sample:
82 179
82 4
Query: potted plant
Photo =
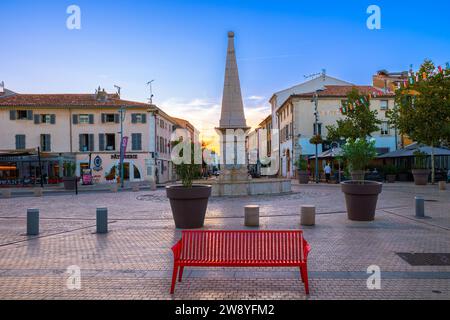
360 196
188 201
302 170
420 170
316 140
69 179
390 172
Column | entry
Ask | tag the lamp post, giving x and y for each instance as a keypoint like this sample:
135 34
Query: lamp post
316 129
122 113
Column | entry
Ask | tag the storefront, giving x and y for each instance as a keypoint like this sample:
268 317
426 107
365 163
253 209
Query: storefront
22 168
105 167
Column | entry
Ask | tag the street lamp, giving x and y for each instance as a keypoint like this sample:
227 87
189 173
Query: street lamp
316 126
122 112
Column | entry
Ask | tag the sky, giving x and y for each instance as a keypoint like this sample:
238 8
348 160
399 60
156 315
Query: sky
182 46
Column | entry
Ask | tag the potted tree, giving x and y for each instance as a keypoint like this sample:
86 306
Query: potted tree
69 179
390 173
188 201
420 170
302 170
360 196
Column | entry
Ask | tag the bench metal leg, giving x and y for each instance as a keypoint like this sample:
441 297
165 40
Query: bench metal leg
304 271
181 274
174 279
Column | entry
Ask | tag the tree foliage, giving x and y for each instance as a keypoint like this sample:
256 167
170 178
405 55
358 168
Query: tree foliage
359 122
423 108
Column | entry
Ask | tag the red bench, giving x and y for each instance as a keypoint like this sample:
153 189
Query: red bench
241 249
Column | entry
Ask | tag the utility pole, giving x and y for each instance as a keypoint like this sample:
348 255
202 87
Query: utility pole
316 126
316 116
122 113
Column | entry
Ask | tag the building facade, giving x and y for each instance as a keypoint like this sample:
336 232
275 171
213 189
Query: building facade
84 129
297 122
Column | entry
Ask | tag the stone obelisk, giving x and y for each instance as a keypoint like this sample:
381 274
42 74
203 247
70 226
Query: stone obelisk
232 121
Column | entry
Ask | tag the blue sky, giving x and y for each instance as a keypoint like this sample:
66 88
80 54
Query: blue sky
182 45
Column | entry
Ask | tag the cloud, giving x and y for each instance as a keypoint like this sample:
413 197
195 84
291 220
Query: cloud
255 98
204 114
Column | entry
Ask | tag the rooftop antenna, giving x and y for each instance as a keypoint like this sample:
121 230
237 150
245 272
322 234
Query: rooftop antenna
149 84
314 75
118 89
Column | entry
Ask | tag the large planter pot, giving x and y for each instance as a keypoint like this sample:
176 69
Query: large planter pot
361 199
70 183
303 177
390 178
358 175
421 176
189 205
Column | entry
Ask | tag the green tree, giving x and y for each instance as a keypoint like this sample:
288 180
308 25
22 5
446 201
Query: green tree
359 122
422 109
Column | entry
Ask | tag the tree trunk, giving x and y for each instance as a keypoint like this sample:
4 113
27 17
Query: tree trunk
432 166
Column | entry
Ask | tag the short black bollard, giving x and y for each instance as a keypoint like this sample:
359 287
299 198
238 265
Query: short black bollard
102 220
420 207
32 222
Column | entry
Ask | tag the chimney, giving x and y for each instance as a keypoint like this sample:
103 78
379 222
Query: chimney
2 88
101 95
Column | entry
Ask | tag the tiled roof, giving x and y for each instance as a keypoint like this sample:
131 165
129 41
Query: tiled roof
67 100
342 91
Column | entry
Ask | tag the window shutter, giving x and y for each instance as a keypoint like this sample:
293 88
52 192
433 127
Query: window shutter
29 115
116 118
91 142
80 138
37 119
75 119
52 119
133 141
12 114
101 142
48 143
91 119
144 118
103 118
20 141
139 141
133 118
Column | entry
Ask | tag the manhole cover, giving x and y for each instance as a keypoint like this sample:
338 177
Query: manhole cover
426 259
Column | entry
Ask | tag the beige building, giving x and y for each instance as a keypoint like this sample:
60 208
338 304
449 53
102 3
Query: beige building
297 122
84 129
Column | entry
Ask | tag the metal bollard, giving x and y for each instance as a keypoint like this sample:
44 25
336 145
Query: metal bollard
102 220
32 222
420 207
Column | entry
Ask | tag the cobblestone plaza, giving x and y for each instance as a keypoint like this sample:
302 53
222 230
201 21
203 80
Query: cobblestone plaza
134 260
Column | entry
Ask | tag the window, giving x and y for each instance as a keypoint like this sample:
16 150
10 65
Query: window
110 118
385 128
161 124
110 139
21 115
83 119
136 141
86 142
20 142
138 118
45 143
384 104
